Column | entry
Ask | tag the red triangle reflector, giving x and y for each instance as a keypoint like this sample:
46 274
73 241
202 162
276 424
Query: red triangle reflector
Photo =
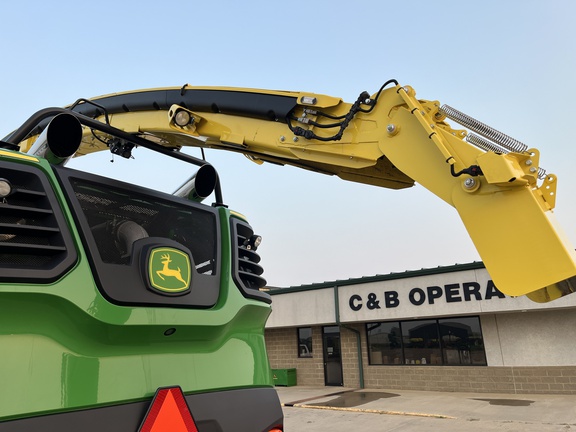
168 412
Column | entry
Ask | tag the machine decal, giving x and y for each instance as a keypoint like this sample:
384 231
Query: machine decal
169 270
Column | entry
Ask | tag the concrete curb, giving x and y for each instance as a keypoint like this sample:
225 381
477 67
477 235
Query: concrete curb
373 411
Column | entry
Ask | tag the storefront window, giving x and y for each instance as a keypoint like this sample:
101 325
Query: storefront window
447 341
462 341
421 342
305 342
385 343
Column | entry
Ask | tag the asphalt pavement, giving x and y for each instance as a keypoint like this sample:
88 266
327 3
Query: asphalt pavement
337 409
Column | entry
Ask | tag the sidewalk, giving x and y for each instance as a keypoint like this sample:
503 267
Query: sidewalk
514 408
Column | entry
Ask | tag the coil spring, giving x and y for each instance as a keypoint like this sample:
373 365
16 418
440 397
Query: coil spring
485 144
490 146
480 128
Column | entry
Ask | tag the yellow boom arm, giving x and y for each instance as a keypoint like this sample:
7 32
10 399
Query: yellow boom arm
389 139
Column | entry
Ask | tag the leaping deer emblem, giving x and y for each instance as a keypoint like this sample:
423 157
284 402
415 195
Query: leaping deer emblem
166 271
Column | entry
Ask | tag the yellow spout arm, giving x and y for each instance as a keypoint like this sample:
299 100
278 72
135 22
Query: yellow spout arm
389 139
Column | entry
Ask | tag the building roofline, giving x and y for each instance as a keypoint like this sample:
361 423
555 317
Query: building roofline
377 278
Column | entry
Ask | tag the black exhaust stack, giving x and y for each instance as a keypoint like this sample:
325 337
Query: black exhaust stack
200 186
59 140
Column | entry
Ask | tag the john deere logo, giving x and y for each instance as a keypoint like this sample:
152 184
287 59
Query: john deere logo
169 270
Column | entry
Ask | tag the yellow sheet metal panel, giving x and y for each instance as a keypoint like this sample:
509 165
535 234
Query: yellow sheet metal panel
522 246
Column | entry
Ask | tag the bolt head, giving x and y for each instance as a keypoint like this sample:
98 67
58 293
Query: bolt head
391 128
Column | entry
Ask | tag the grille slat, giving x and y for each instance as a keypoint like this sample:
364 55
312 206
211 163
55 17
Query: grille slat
249 267
252 281
249 255
16 228
31 192
30 249
21 210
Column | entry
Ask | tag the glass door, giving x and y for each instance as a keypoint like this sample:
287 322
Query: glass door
332 356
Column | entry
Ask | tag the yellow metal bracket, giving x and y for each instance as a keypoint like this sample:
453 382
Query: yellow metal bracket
548 190
409 96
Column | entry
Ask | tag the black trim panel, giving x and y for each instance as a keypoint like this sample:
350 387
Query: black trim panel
153 219
234 102
247 104
245 410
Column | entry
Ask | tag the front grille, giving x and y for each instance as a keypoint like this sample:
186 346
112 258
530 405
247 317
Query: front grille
246 271
33 236
107 207
121 224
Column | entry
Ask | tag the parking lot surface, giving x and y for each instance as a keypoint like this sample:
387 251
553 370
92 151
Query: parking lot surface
337 409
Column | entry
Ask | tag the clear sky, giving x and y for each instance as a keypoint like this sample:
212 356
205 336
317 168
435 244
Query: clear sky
510 64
